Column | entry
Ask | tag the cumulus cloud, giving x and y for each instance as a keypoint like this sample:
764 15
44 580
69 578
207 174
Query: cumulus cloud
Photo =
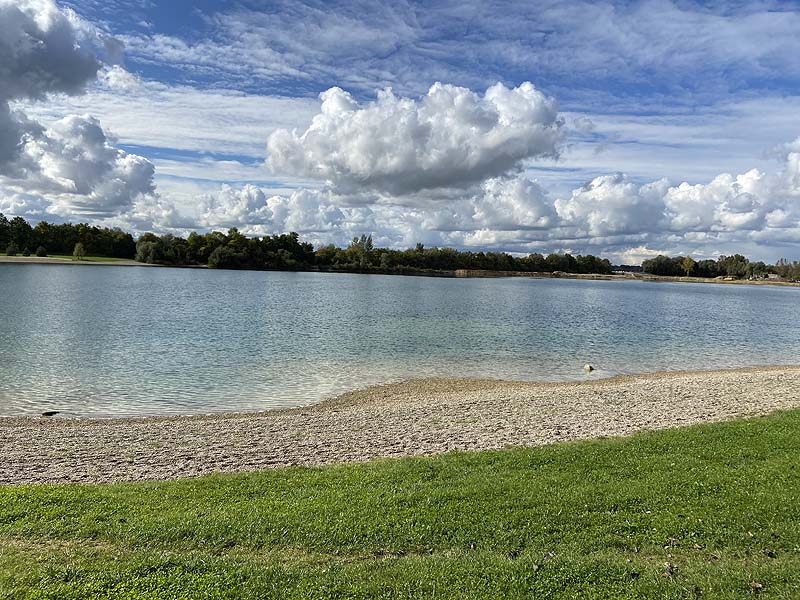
611 215
70 168
253 208
726 203
44 50
791 175
449 138
513 204
753 207
613 205
232 207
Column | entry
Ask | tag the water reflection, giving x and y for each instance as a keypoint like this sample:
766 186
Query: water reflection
127 341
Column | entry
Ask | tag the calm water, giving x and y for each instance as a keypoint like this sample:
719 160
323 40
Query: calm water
128 341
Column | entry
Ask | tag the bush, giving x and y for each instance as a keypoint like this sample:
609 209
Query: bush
12 249
26 252
224 258
41 251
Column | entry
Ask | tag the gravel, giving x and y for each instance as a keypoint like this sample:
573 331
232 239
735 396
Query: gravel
419 417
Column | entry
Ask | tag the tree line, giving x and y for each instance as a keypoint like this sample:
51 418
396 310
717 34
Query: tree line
233 250
18 237
737 266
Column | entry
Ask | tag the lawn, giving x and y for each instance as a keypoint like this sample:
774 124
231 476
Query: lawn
84 259
710 511
90 258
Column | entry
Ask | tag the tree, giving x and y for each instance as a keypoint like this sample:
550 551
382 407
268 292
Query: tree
733 266
688 265
224 257
147 251
20 232
325 255
5 231
41 251
12 249
79 252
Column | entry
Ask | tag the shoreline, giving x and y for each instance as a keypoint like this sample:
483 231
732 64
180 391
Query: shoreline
412 418
51 260
456 274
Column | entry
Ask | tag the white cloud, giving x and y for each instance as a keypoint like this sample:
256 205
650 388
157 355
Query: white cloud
613 205
443 168
513 204
611 215
71 167
451 137
235 207
683 47
44 50
182 118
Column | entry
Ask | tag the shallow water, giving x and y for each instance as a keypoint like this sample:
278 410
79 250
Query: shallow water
107 340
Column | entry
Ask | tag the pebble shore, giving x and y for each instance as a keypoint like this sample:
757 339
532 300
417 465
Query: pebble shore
420 417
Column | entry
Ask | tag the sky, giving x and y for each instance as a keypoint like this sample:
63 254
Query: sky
623 129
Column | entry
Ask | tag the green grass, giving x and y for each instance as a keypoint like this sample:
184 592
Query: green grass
84 259
89 258
600 519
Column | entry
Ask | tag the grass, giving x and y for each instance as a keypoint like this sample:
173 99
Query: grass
90 258
84 259
710 511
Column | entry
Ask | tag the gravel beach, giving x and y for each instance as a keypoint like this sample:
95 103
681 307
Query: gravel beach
420 417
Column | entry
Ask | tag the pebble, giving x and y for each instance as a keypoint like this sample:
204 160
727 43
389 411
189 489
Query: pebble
420 417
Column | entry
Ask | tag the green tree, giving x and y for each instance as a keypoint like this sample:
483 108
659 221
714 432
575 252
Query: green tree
325 255
41 251
688 264
79 252
147 251
20 232
5 231
12 249
733 266
224 257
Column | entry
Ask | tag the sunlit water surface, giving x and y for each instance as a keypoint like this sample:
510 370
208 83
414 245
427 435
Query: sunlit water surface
102 341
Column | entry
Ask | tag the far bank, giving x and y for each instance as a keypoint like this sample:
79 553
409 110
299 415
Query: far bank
458 273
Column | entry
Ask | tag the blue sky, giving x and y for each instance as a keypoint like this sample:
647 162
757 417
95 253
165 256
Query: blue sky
671 92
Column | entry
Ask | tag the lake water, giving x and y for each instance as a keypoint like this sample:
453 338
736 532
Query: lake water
101 341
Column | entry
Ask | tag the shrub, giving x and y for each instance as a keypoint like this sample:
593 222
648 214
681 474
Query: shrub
26 252
12 249
41 251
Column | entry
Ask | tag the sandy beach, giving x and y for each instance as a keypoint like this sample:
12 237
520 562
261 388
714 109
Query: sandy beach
421 417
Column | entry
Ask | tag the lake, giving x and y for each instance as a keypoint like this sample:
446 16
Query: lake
108 341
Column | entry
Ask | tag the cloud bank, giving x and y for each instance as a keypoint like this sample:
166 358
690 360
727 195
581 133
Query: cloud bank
71 167
611 215
447 167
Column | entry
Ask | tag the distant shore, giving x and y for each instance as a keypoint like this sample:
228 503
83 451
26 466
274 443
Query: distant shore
420 417
53 260
628 276
459 273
